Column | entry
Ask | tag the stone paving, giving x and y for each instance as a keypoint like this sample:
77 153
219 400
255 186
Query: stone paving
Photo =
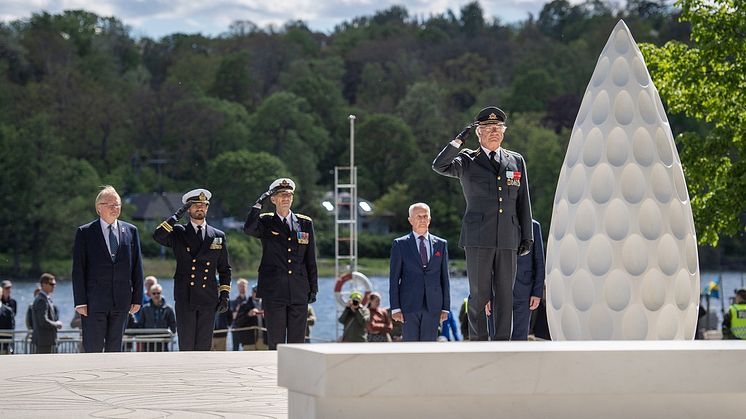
142 385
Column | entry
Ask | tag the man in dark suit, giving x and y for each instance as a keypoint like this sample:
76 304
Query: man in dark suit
496 227
107 274
44 317
419 285
201 251
288 278
529 286
250 314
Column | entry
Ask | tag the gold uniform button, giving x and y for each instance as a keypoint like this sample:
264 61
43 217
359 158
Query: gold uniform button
501 210
498 178
289 239
290 250
192 275
204 278
204 286
194 268
501 200
206 270
192 283
499 188
290 272
194 260
189 250
208 263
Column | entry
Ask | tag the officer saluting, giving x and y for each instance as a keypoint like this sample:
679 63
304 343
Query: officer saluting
200 251
497 224
288 279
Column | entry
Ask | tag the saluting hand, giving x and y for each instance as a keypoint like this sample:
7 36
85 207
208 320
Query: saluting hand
464 133
184 208
262 198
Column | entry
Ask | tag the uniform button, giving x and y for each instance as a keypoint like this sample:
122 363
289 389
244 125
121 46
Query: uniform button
498 178
192 275
290 272
208 263
189 250
290 250
207 270
499 188
501 200
194 268
192 283
194 260
501 210
204 278
289 261
204 286
289 239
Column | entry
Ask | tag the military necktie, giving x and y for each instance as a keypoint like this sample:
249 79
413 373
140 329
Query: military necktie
493 162
199 233
113 243
423 251
288 223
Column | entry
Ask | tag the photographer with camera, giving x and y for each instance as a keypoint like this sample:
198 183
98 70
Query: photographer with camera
355 319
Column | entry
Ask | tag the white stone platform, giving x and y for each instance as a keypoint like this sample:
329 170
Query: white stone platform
582 379
142 385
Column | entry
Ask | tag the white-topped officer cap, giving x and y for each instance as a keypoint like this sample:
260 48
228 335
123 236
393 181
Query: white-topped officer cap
282 184
197 195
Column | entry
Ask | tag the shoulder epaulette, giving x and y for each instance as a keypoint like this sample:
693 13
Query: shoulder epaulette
470 152
266 214
303 217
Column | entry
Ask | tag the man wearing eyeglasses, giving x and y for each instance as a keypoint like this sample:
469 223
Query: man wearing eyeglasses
44 317
201 253
107 274
496 227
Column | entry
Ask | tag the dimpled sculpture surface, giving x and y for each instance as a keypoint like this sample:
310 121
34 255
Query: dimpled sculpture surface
622 255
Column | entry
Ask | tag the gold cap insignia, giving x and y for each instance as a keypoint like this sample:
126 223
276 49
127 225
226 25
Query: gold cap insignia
202 197
492 116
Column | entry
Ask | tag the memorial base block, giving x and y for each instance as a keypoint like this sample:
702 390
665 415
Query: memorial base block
582 379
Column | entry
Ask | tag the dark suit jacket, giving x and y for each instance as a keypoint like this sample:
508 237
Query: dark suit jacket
197 263
531 271
44 318
287 272
410 284
98 281
498 212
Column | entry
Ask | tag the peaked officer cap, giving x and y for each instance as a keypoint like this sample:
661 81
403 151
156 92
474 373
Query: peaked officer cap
197 195
282 184
491 115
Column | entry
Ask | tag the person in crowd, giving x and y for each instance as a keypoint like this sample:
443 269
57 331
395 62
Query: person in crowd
107 274
242 285
7 300
419 284
147 284
310 321
201 253
355 319
288 276
251 333
529 286
449 329
44 317
157 314
379 325
496 227
7 326
396 327
734 321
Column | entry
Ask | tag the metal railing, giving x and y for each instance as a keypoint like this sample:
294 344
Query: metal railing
69 341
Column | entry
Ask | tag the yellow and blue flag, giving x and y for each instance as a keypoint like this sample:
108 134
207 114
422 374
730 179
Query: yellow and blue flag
713 288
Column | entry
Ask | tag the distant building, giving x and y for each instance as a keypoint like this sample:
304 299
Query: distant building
152 208
368 219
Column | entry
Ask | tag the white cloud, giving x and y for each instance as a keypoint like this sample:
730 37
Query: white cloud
160 17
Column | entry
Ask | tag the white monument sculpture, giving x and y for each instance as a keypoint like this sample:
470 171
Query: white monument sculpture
622 251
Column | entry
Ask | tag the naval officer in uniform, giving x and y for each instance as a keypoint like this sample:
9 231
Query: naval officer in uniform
496 227
288 279
200 252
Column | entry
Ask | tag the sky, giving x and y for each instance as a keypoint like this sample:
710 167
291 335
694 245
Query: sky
156 18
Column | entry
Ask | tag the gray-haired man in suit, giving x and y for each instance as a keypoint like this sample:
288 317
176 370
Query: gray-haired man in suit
496 227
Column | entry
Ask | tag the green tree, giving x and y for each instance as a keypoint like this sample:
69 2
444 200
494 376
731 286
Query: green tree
233 80
706 81
239 177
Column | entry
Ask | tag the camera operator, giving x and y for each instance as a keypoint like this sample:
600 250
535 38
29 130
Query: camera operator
355 319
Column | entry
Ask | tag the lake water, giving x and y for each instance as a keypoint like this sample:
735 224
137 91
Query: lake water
327 310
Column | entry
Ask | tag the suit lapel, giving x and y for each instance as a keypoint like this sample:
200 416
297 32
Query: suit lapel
191 235
99 237
433 243
413 247
209 237
483 160
124 238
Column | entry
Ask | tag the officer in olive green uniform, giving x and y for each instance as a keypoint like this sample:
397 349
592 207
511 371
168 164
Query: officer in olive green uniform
497 224
200 252
288 279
